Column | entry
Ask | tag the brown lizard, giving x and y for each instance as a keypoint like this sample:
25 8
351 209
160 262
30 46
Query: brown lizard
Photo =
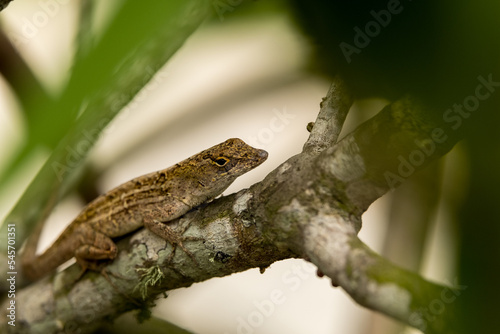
150 200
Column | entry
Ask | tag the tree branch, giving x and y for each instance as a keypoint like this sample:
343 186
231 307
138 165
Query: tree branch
376 283
308 207
331 117
383 152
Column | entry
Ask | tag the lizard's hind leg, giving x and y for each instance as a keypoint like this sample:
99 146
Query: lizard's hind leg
96 247
174 237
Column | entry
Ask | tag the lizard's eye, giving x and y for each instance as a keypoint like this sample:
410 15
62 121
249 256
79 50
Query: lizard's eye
221 161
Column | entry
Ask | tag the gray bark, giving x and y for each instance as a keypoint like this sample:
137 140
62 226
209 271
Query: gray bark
309 207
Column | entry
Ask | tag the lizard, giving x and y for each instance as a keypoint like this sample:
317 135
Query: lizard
151 200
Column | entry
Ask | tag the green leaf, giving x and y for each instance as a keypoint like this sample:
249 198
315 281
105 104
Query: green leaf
140 40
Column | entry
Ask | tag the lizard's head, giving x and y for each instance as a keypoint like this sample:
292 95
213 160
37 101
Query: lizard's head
218 166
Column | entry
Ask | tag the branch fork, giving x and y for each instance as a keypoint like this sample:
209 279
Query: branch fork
308 207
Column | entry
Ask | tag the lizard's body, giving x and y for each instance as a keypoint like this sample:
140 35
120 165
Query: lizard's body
150 200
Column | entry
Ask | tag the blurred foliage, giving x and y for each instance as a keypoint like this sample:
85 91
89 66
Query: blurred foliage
109 68
106 74
388 48
435 50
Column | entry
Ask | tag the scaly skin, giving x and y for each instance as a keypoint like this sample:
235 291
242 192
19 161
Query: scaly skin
150 200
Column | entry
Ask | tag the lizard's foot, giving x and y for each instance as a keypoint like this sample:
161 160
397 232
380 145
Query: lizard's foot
180 243
97 247
174 237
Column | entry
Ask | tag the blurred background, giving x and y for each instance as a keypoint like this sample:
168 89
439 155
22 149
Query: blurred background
254 70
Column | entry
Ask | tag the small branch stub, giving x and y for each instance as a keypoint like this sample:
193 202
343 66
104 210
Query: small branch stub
331 117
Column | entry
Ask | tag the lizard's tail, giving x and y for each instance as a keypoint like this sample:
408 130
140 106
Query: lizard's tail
28 255
36 266
29 252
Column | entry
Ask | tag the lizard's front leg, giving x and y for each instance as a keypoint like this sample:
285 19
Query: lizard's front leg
175 238
94 246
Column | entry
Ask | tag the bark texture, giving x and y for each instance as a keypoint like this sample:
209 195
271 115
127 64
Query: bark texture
309 207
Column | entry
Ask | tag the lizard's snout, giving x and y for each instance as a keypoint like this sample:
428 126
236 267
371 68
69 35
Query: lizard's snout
262 154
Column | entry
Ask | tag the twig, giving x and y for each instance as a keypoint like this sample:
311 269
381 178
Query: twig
378 155
331 117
